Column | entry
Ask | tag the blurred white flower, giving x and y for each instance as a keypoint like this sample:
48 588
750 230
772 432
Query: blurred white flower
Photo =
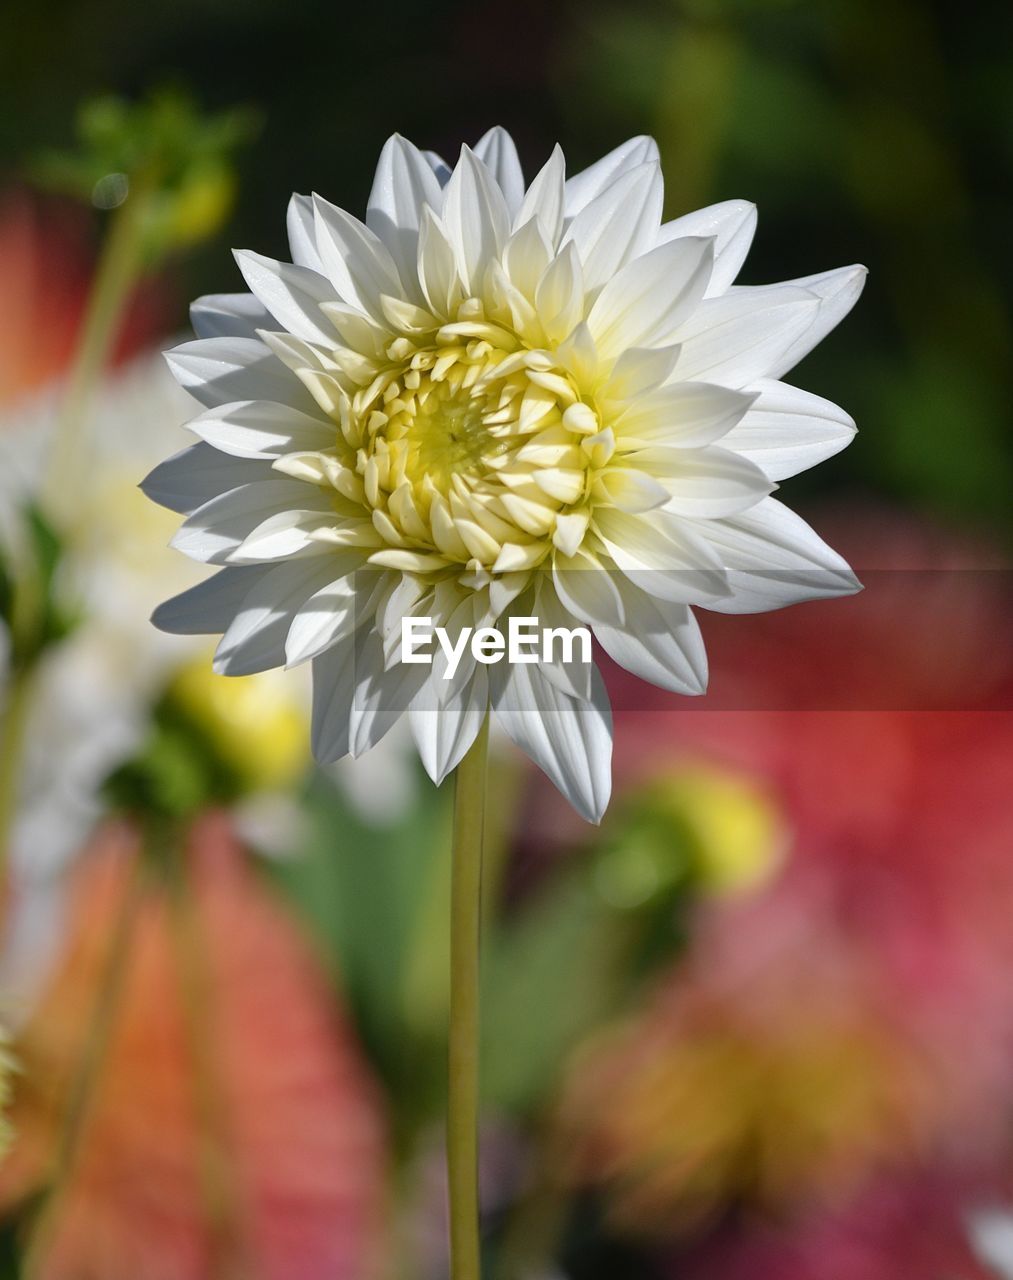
991 1232
92 692
499 399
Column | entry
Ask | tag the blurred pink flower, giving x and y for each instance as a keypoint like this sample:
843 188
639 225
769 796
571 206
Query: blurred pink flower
901 818
894 1232
856 1015
769 1068
301 1160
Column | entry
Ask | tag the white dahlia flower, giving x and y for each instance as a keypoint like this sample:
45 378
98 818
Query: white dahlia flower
498 399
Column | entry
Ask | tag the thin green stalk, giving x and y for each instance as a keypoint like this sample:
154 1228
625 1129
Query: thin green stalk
118 269
13 722
81 1096
465 936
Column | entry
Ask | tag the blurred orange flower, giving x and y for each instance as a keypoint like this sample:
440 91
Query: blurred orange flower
260 1156
45 266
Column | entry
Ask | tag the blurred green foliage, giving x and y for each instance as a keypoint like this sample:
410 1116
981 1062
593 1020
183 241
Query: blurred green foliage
163 147
177 773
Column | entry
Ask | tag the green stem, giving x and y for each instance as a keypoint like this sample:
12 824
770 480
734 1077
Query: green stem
13 722
118 269
465 934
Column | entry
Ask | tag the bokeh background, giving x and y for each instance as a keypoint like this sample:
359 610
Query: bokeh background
761 1023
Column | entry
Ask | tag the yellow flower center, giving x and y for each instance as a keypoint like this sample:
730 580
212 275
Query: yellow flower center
443 431
473 443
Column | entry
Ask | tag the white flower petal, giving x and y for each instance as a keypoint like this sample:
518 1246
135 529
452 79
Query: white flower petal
293 352
526 257
568 738
197 474
463 616
587 589
559 297
228 315
498 153
686 415
390 598
579 357
742 336
574 677
838 291
262 429
404 184
583 187
356 262
437 265
661 643
544 198
476 218
786 430
638 371
708 482
333 691
288 535
210 606
505 298
217 528
291 294
570 530
381 696
329 615
255 639
222 370
618 225
732 223
443 731
302 233
664 555
774 559
645 302
630 489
